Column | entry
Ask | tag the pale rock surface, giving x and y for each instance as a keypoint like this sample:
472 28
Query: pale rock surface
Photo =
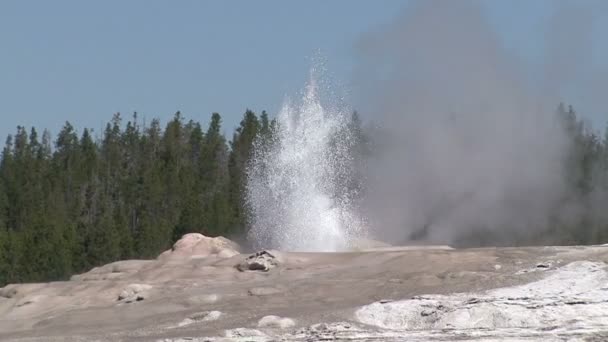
245 333
113 271
194 256
205 316
204 299
33 299
538 293
134 293
16 291
577 292
272 321
9 291
264 291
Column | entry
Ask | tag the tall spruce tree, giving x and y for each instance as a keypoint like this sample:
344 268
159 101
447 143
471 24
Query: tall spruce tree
241 149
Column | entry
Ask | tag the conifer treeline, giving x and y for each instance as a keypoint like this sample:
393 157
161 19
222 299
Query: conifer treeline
582 218
77 202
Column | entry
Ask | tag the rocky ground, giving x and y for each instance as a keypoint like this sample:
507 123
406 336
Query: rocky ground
203 289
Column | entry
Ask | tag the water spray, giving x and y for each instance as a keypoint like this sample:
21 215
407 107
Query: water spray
295 198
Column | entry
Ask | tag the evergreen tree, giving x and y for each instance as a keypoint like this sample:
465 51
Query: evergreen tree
215 180
5 268
241 149
191 217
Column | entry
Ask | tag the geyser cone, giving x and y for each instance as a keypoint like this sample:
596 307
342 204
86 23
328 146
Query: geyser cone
295 192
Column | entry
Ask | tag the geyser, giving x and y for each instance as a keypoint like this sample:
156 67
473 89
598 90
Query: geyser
296 195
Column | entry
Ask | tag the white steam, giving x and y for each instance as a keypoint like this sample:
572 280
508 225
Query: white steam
467 143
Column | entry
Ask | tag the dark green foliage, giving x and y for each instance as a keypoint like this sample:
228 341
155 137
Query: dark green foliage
129 194
242 144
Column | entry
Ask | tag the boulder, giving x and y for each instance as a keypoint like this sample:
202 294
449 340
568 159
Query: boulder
261 261
195 245
134 293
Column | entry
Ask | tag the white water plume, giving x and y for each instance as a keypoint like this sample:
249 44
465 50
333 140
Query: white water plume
296 193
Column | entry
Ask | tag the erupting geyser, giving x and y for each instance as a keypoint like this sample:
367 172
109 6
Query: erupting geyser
296 194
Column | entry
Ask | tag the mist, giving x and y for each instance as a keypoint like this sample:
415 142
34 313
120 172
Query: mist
466 137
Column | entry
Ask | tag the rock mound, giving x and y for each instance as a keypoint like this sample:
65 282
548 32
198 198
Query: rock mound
195 245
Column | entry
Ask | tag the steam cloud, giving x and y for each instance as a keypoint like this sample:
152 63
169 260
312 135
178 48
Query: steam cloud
468 140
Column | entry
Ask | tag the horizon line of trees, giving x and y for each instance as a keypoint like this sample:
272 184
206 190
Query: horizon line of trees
78 202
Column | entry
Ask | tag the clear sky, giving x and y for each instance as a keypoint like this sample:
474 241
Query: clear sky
84 60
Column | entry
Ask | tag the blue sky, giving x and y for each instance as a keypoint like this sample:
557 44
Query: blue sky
84 60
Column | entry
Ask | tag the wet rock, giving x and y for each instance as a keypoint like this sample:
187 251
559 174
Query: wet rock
243 333
541 266
261 261
337 331
134 293
425 313
472 301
